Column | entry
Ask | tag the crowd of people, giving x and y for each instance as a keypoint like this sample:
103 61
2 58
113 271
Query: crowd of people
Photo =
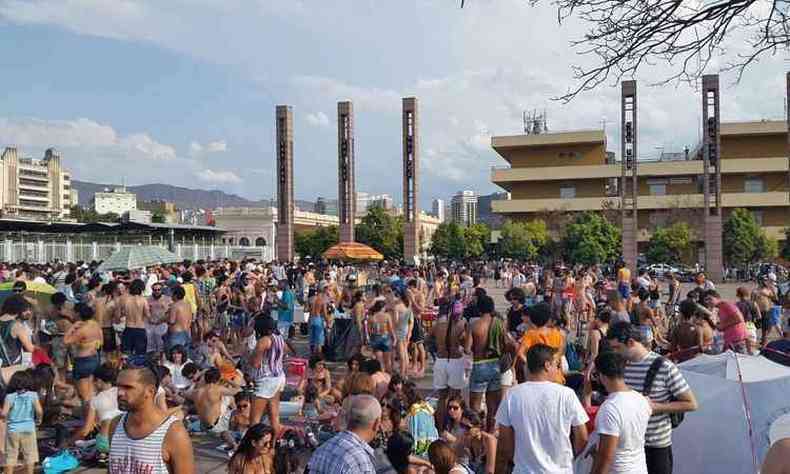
579 368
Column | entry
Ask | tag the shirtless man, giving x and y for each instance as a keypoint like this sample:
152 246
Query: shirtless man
213 402
317 322
134 307
448 371
84 338
104 307
179 321
156 326
486 377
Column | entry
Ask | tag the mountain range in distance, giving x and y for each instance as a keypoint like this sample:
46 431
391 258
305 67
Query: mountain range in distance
183 198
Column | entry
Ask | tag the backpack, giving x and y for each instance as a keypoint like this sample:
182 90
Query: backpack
675 418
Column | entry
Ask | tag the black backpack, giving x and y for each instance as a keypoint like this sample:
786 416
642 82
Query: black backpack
675 418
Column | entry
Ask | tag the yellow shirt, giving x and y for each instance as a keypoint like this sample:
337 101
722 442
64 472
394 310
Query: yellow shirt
191 296
624 274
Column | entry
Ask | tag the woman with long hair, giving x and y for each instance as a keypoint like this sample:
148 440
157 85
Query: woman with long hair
266 362
381 334
255 454
404 325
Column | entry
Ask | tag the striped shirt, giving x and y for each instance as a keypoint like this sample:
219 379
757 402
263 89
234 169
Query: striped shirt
129 455
668 383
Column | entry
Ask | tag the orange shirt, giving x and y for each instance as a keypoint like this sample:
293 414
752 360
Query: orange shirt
548 336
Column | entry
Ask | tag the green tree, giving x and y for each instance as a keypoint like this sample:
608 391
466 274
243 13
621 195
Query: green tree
744 241
591 239
456 242
90 216
524 240
670 244
313 243
440 242
382 231
158 218
476 238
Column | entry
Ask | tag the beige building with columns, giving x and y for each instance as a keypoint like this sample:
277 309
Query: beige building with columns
34 189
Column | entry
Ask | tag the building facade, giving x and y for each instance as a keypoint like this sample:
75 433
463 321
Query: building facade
34 189
117 201
437 209
463 208
162 208
554 174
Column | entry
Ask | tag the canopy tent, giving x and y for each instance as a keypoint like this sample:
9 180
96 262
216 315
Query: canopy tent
352 251
734 392
717 437
136 257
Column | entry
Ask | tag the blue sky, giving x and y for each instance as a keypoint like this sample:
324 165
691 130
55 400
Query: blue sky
183 91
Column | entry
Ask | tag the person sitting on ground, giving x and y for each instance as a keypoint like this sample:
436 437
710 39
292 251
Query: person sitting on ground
255 453
318 375
239 420
176 361
311 404
477 447
419 419
352 364
213 402
442 457
102 409
373 368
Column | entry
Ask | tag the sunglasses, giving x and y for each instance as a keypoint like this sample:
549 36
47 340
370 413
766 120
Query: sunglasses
18 290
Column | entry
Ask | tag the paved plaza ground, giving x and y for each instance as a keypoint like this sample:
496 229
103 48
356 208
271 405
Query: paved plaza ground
210 460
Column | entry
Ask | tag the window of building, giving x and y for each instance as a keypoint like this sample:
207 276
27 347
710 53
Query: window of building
260 242
567 191
753 184
658 189
244 242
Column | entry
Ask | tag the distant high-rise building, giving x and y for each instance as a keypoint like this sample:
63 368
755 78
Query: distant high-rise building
438 209
464 208
34 189
366 200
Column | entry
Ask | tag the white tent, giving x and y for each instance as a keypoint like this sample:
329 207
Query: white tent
717 438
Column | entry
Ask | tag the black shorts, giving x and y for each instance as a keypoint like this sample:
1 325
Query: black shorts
134 341
109 344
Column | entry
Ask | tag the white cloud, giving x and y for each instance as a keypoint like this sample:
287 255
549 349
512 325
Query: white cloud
196 149
318 119
81 133
218 177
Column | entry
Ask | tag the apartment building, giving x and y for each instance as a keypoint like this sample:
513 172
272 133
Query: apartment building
34 189
463 208
117 201
551 173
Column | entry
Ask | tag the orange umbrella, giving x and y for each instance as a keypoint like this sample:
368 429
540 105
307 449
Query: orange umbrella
352 251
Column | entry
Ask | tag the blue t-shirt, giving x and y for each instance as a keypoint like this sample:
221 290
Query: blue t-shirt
287 314
22 416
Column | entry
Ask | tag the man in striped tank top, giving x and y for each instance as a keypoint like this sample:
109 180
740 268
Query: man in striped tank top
146 439
669 392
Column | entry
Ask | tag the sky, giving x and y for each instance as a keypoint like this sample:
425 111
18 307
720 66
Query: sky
184 92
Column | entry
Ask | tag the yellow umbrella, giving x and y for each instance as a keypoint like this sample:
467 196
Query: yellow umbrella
352 251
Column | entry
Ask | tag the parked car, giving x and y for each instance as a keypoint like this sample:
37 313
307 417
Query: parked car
661 270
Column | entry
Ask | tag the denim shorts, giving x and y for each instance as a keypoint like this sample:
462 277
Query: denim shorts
485 377
380 342
84 367
317 332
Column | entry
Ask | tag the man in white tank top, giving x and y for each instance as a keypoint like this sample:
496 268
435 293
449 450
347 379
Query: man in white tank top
146 439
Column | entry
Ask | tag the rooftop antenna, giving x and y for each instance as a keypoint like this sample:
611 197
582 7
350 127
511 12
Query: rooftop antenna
534 122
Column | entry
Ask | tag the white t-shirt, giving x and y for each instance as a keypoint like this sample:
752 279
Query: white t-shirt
541 415
625 415
106 404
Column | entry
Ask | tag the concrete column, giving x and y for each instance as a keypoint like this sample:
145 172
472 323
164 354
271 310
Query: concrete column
42 254
411 169
711 121
285 185
346 195
94 251
629 182
69 251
